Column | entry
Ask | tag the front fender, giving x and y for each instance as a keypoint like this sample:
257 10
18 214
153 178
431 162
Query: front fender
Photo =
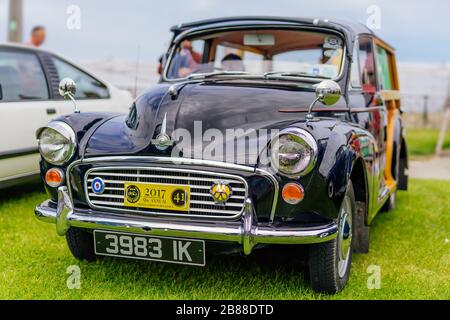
84 125
340 148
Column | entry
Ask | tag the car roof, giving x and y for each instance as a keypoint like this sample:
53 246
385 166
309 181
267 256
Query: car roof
351 27
21 46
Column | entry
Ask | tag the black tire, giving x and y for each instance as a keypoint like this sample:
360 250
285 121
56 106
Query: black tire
403 178
391 203
328 272
361 232
81 244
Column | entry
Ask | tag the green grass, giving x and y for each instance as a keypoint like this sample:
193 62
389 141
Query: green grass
422 142
410 245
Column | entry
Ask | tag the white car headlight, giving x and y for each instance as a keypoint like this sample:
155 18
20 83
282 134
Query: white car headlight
294 152
57 143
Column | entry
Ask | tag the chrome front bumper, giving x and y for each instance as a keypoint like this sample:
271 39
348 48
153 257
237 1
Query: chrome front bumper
247 232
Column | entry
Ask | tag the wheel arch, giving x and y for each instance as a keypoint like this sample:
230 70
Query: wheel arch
358 177
361 230
404 165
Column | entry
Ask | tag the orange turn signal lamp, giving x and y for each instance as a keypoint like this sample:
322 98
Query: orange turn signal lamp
54 177
293 193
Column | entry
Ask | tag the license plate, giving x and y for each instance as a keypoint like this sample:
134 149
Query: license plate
142 247
157 196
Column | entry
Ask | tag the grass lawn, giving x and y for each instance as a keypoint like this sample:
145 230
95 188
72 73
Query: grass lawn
411 245
422 142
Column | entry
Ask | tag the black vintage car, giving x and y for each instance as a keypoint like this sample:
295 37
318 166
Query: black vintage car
262 131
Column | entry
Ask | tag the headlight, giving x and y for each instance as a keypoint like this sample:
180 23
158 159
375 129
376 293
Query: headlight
294 152
57 143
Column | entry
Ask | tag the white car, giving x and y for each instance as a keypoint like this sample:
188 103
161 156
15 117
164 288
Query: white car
29 99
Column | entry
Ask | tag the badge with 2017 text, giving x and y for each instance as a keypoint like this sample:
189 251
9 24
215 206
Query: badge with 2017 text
157 196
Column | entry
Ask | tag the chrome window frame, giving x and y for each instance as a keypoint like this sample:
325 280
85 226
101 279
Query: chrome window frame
200 31
355 59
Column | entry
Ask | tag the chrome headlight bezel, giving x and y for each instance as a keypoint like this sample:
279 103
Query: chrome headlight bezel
306 140
67 134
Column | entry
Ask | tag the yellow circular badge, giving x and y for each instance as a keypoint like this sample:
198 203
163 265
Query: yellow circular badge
133 194
221 192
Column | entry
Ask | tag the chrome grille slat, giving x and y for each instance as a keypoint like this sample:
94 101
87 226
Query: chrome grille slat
200 182
194 194
192 186
211 203
146 176
119 204
115 196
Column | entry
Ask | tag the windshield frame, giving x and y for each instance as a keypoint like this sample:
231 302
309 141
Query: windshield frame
203 32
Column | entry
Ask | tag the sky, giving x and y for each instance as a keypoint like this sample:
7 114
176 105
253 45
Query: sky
109 29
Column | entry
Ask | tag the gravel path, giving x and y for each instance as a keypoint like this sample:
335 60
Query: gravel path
435 168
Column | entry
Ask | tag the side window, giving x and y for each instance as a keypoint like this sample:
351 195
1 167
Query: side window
187 59
21 77
384 69
87 86
367 66
355 75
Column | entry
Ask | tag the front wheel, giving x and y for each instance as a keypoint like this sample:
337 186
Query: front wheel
81 244
330 262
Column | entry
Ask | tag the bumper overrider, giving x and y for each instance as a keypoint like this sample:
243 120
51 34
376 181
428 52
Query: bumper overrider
247 232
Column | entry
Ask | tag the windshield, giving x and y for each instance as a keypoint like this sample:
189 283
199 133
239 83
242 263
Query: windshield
259 52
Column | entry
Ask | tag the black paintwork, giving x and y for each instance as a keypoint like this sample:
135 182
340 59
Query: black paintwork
350 27
349 143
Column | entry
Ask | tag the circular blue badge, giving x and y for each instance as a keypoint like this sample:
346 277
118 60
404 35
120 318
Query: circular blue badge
98 186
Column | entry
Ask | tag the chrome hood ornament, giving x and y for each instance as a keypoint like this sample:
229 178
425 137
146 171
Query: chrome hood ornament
163 140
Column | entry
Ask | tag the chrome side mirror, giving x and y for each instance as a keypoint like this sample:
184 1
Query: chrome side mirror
67 89
328 92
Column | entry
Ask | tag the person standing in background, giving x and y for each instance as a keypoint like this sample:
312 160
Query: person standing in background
37 38
186 60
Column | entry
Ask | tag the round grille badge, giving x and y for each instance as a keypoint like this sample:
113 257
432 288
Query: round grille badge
133 194
221 192
98 186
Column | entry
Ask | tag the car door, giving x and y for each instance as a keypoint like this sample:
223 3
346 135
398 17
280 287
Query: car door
390 96
365 93
24 107
92 95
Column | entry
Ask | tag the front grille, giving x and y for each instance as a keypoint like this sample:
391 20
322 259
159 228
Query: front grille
201 202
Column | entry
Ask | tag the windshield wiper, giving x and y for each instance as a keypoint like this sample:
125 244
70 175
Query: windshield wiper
290 74
196 76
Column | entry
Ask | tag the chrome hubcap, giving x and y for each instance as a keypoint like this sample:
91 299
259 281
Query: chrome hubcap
344 236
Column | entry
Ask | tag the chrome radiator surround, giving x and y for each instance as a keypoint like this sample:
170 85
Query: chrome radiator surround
150 161
199 181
